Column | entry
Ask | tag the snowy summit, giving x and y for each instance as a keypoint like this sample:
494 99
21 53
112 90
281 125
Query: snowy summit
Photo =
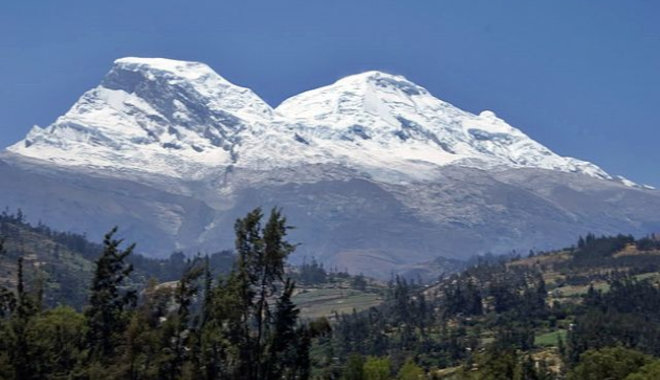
182 119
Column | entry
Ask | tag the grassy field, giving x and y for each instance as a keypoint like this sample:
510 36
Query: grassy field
549 339
653 276
579 290
324 302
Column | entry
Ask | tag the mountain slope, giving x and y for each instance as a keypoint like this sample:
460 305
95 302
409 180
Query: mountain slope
376 173
385 120
63 262
155 115
175 118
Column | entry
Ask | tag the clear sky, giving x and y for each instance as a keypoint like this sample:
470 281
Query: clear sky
580 76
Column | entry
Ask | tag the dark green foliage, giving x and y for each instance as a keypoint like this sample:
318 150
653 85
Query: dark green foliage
18 344
281 351
377 368
609 363
359 282
629 314
592 248
507 364
244 334
496 365
509 301
487 318
649 371
463 297
55 341
242 326
7 298
180 329
650 243
311 273
354 369
243 323
172 268
63 262
109 302
261 254
410 371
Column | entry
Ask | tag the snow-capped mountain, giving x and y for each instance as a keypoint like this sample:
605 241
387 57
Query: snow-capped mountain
177 118
157 115
387 121
375 172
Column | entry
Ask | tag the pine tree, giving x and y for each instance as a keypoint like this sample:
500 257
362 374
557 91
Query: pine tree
249 321
24 366
410 371
108 303
354 369
261 256
377 368
281 350
183 331
7 297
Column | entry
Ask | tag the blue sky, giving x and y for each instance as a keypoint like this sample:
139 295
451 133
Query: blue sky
580 76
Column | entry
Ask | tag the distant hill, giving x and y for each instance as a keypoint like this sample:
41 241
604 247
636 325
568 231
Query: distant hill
433 270
63 262
537 313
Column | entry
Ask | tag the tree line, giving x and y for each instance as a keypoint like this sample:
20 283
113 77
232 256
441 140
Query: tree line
482 323
487 322
242 325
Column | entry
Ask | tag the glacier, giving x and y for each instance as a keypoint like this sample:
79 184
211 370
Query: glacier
180 118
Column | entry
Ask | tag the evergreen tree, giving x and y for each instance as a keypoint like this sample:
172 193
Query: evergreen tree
609 363
410 371
182 330
55 343
143 356
377 368
649 371
354 369
7 297
19 351
108 302
243 326
281 350
258 336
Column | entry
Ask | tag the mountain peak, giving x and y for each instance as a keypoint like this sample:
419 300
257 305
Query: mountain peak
173 117
157 114
390 120
370 75
157 62
373 92
162 79
379 81
129 73
185 69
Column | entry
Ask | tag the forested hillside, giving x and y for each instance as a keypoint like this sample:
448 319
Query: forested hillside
242 325
61 264
74 309
585 312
